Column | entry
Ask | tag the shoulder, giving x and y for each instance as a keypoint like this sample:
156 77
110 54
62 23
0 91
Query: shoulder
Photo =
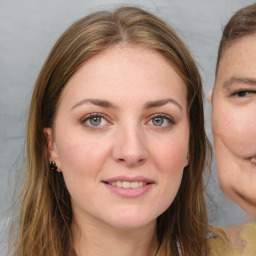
248 230
218 242
243 239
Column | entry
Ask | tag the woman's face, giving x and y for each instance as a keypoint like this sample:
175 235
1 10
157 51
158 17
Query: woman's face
121 137
234 122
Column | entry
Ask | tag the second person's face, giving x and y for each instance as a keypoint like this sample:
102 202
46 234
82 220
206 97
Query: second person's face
234 122
121 137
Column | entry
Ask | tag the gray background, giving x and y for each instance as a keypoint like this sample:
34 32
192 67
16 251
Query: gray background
28 30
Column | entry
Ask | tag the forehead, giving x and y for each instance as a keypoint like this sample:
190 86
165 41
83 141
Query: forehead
238 60
121 70
240 55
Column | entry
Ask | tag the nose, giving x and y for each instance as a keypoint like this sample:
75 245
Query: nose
130 147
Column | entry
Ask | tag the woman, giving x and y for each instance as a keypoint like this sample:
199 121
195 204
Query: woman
116 145
234 120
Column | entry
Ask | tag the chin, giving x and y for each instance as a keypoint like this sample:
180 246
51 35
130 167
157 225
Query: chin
129 221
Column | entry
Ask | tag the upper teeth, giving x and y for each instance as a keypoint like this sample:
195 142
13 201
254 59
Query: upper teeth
128 184
253 160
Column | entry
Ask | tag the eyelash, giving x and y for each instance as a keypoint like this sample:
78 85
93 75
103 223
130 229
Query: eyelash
244 92
167 118
90 117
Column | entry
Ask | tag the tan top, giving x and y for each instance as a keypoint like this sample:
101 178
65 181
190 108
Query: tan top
235 241
243 239
218 244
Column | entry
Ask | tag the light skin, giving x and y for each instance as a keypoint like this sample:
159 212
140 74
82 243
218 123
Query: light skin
234 123
121 117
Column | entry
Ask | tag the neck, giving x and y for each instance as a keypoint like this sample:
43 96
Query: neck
98 239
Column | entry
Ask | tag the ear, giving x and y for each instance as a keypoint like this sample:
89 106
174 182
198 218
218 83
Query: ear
209 96
52 151
186 160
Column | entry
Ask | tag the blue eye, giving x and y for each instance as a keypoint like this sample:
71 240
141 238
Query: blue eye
158 121
161 121
94 120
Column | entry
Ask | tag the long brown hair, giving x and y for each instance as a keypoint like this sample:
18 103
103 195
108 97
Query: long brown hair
46 216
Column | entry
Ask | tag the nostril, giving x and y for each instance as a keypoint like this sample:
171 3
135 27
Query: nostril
131 161
129 154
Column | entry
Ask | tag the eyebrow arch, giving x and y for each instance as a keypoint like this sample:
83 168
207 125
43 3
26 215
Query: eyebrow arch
159 103
240 80
107 104
97 102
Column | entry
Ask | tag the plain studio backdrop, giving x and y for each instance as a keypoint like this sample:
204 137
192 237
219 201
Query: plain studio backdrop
28 30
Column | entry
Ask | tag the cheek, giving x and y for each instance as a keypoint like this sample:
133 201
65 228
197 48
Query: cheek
169 154
77 154
81 165
169 159
235 127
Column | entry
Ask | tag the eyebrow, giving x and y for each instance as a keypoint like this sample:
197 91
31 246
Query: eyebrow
97 102
107 104
159 103
240 80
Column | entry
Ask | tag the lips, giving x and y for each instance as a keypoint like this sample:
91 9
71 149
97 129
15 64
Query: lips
129 187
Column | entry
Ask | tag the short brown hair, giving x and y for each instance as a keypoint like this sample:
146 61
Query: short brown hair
241 24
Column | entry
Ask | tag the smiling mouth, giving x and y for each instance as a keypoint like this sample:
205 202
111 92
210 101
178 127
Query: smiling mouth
252 160
128 184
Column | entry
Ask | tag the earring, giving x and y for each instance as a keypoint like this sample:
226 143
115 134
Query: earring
53 166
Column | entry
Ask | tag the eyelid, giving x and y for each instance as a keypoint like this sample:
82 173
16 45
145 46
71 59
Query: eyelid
169 118
248 91
95 114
